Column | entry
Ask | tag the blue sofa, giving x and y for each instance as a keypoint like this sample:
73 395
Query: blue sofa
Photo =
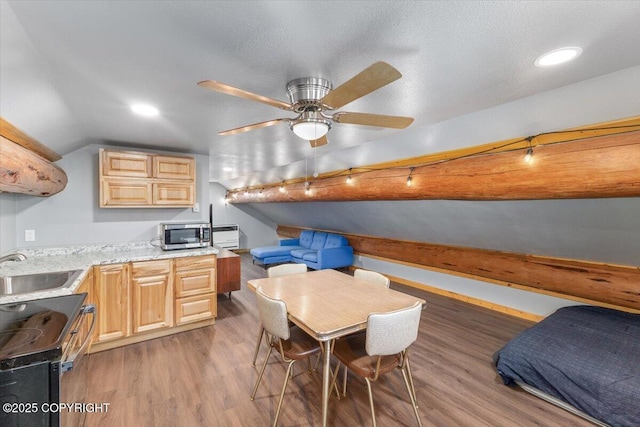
317 249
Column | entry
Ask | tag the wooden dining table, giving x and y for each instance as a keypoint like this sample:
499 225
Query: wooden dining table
328 304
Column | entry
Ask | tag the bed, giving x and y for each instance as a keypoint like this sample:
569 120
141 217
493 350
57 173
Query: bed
583 358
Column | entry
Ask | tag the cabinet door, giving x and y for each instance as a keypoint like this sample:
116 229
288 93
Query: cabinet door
152 295
198 307
86 287
171 167
126 164
111 286
195 276
124 193
173 194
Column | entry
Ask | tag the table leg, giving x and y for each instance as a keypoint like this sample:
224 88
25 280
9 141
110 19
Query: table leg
328 347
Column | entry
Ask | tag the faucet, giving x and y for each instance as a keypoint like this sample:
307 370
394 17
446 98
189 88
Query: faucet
13 257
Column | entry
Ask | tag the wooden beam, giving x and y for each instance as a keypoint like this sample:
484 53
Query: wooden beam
609 284
604 166
14 134
23 171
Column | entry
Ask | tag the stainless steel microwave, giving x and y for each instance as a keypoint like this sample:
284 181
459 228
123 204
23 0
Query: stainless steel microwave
185 235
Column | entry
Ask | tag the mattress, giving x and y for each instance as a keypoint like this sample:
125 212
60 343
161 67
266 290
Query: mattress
588 357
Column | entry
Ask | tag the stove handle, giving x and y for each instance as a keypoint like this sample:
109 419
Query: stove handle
68 362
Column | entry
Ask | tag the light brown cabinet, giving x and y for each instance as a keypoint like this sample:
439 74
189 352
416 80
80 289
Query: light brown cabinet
86 286
151 295
137 179
195 279
147 299
111 290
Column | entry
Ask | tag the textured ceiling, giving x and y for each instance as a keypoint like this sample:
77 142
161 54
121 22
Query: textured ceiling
70 69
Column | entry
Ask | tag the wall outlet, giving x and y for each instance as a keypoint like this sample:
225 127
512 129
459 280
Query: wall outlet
29 235
196 207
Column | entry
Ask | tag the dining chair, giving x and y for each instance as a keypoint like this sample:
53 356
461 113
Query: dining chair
385 346
278 270
372 276
291 342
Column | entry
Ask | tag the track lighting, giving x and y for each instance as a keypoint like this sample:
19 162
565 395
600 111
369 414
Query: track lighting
349 177
282 187
306 187
409 179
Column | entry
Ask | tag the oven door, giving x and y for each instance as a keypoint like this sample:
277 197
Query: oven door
74 370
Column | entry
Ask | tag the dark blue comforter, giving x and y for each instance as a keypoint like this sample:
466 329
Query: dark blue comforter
586 356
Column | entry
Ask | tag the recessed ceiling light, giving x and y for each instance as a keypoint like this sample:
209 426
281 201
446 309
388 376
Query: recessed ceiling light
558 56
145 110
227 169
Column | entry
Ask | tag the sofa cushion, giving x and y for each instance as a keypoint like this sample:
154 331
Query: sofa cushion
335 241
319 239
311 256
301 252
306 238
272 251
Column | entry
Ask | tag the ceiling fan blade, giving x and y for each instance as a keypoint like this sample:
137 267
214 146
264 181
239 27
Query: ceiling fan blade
230 90
252 127
379 120
372 78
319 142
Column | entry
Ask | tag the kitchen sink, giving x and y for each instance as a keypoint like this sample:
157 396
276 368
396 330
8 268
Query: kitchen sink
13 285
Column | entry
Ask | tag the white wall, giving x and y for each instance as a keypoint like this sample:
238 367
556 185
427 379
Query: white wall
7 223
255 229
73 216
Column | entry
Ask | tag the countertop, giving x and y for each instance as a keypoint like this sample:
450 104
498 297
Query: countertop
83 257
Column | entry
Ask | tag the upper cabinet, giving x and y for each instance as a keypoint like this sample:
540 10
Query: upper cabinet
136 179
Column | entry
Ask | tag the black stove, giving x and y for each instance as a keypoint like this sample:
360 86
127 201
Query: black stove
41 344
34 331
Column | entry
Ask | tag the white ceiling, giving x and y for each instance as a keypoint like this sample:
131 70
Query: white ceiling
70 69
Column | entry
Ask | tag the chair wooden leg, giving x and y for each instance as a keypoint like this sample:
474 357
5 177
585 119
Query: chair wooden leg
255 354
264 365
373 412
407 382
284 387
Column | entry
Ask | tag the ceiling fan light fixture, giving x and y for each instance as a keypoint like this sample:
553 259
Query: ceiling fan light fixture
311 129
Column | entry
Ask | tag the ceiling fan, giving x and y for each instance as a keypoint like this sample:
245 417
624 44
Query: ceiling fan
312 99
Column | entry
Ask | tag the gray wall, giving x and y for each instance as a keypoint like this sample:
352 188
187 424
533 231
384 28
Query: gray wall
7 223
599 230
255 229
73 216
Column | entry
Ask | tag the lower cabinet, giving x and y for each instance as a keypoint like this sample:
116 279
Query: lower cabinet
143 300
195 289
151 295
111 290
86 287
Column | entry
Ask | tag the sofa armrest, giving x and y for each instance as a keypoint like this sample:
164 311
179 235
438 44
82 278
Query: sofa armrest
289 242
341 256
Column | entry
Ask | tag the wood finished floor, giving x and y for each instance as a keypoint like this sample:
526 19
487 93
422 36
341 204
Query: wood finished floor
204 377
